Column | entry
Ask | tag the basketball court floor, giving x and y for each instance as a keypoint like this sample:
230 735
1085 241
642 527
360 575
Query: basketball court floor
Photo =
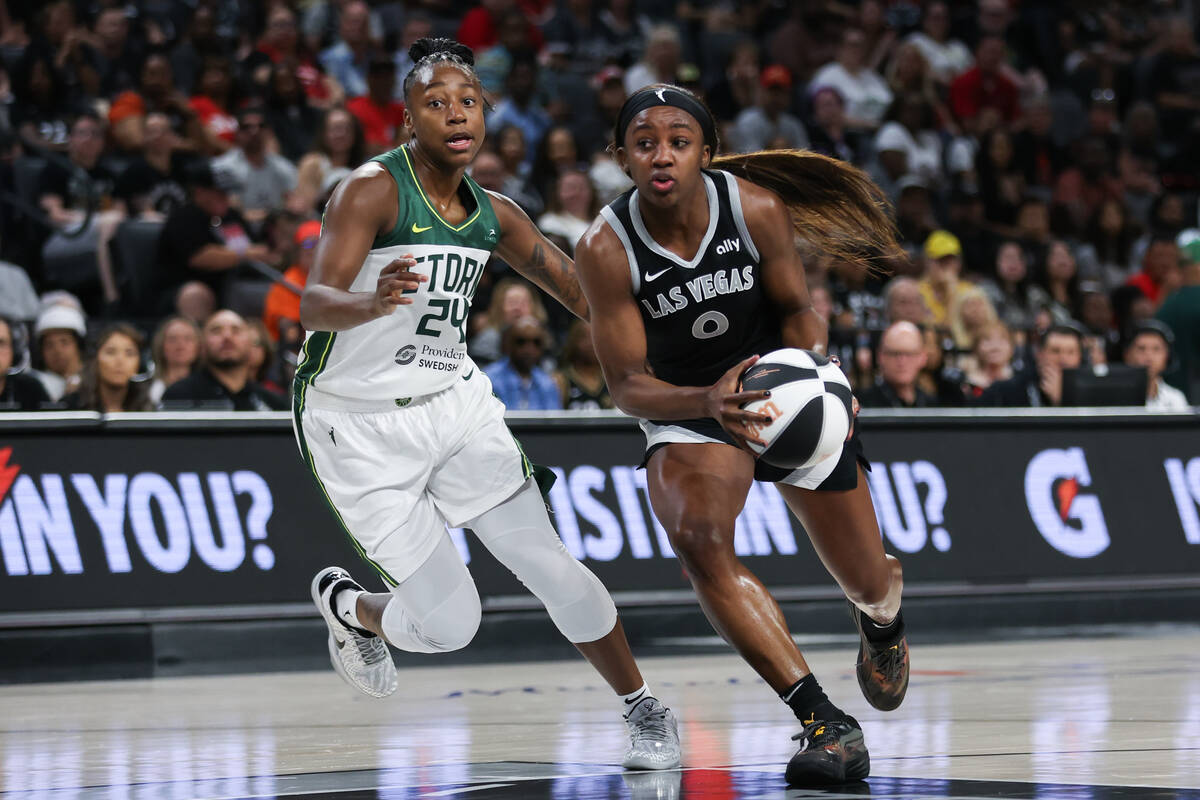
1079 719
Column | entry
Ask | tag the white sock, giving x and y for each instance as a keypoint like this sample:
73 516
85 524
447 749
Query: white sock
346 603
630 701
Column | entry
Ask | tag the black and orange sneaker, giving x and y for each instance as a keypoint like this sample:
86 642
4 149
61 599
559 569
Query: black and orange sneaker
882 668
830 753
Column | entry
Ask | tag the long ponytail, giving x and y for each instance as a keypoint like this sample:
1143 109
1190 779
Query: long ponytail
836 208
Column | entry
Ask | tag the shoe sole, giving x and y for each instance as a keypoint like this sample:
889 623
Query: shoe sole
882 702
824 773
635 764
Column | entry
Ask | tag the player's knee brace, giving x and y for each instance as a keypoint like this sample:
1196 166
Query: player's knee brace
590 617
518 533
450 624
576 600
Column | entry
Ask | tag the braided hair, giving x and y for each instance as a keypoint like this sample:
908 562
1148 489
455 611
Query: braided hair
427 52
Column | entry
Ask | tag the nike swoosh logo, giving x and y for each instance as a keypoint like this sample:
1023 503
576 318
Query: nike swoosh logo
658 274
417 229
467 377
636 699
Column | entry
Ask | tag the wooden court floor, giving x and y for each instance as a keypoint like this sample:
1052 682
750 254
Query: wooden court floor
1080 719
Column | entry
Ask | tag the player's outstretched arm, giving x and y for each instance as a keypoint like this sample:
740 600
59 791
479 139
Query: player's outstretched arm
770 225
530 253
620 341
363 205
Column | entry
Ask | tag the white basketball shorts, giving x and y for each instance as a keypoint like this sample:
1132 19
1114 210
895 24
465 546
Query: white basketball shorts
395 477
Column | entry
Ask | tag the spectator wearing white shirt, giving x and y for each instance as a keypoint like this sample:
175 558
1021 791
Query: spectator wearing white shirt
1150 347
572 206
866 94
18 300
910 130
660 59
948 58
263 179
760 125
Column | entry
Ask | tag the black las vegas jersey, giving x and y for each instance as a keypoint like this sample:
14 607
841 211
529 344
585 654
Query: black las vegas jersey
705 315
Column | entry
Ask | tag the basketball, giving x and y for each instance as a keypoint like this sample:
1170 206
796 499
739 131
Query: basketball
810 404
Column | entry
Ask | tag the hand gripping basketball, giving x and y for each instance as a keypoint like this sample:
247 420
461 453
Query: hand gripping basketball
812 406
725 401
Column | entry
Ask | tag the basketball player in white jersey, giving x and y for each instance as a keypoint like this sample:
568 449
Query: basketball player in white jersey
402 431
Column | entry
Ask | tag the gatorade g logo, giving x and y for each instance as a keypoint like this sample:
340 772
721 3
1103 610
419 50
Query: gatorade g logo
406 354
1070 520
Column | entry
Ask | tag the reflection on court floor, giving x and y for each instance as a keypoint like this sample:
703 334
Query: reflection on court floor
525 781
1090 719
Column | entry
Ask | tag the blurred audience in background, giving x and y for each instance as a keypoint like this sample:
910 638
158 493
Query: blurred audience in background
901 358
176 351
1046 196
517 379
19 391
224 381
1150 349
106 382
580 380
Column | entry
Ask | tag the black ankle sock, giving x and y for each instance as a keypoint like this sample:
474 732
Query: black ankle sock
882 634
808 702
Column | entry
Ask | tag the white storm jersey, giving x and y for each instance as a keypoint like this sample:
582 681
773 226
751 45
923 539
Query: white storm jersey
421 348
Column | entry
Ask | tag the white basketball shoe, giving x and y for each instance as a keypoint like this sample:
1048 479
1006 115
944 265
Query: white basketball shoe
362 659
653 737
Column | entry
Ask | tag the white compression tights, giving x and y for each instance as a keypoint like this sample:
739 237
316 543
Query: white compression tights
437 608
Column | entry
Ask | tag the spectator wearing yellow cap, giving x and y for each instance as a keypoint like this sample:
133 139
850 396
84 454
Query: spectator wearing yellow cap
940 285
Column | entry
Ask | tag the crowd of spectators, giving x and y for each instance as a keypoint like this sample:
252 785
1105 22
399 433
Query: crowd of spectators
164 165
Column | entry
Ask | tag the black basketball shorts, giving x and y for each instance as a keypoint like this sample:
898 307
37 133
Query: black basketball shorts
831 475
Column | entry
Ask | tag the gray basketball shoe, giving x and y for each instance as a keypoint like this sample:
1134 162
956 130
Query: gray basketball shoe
653 737
362 659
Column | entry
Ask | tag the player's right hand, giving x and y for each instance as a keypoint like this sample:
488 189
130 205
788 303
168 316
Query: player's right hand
725 401
395 279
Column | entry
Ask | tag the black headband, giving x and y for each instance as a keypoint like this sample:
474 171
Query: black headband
651 96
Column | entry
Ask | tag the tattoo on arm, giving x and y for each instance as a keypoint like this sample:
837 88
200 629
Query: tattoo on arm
561 279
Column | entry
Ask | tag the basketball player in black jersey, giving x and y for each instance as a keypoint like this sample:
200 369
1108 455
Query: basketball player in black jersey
690 276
